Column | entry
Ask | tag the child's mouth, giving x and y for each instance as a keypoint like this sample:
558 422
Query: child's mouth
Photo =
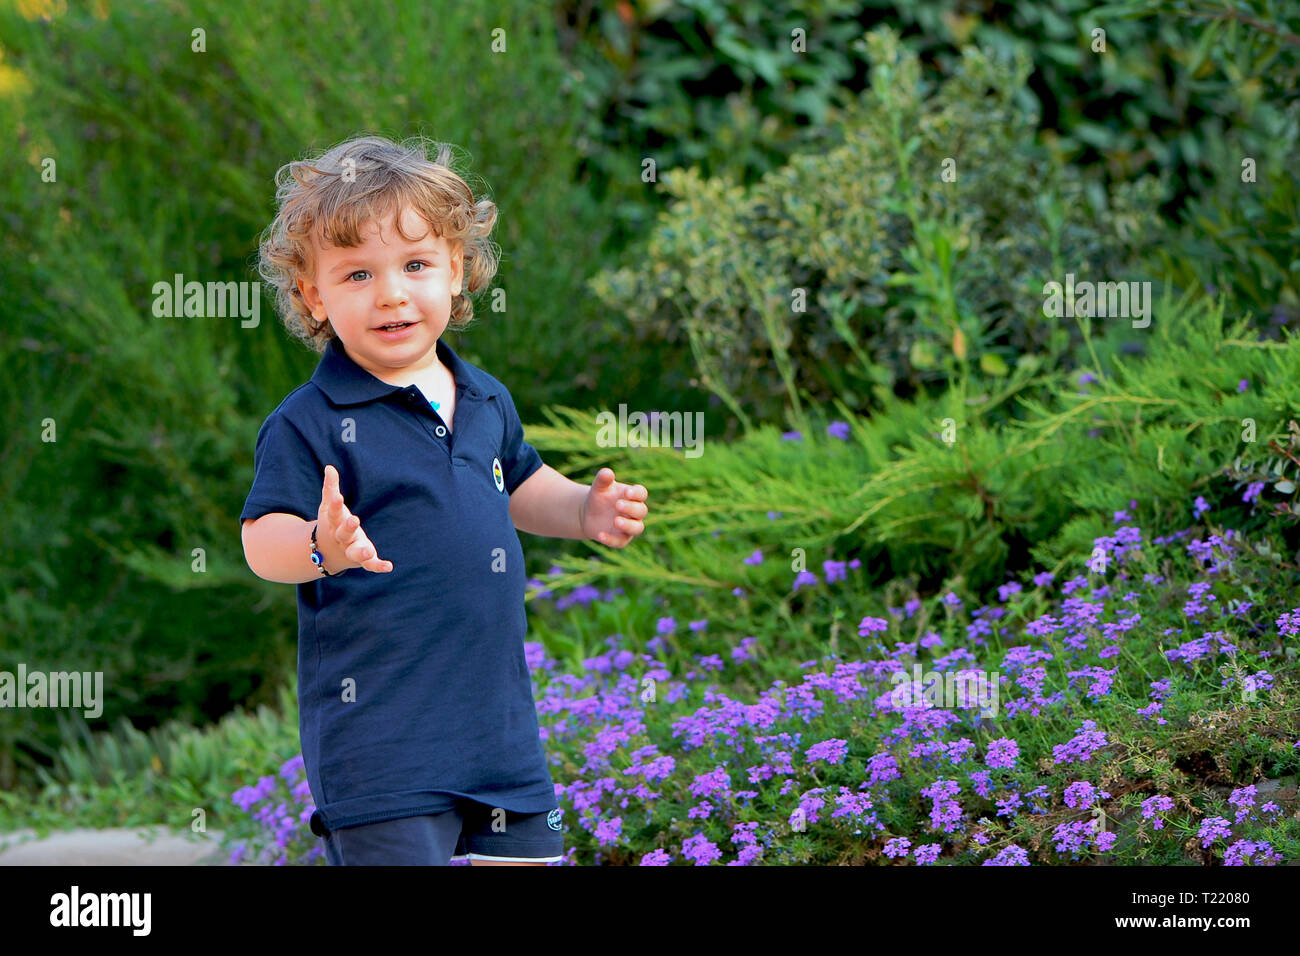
394 328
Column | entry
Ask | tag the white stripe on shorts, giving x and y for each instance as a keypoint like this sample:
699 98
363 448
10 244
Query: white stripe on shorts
512 859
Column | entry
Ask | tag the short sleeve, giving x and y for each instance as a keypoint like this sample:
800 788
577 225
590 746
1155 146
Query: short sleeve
519 459
287 475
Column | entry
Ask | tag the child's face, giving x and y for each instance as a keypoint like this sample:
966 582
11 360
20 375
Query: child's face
386 280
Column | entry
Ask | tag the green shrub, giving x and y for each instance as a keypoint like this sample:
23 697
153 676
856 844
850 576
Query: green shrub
857 270
126 777
1007 488
720 84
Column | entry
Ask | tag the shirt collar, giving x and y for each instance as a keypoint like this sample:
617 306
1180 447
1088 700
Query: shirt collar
344 382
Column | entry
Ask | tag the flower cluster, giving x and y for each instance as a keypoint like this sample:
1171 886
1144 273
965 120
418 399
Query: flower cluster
281 804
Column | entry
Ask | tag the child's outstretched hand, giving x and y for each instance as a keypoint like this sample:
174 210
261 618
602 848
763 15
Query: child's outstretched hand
339 537
613 511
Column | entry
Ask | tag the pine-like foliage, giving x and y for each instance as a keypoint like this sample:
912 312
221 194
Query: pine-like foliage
1157 430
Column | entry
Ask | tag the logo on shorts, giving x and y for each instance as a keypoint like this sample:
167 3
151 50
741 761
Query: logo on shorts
553 819
497 476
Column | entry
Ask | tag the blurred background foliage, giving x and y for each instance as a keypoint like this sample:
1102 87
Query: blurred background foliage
912 239
774 169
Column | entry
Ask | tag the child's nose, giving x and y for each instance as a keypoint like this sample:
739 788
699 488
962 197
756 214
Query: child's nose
393 292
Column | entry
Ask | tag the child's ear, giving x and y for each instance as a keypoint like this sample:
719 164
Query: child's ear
311 296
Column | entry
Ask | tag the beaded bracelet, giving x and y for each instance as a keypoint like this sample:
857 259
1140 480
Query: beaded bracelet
317 558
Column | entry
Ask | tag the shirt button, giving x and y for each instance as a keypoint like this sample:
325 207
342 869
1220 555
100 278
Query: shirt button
440 431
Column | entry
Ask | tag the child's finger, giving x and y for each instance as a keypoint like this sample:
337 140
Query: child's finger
326 494
364 553
348 529
361 550
633 509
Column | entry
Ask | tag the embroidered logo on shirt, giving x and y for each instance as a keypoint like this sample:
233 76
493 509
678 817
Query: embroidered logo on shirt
553 819
497 476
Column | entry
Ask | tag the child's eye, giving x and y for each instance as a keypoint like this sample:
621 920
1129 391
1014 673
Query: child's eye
419 262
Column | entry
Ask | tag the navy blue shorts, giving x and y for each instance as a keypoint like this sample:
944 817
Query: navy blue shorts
470 831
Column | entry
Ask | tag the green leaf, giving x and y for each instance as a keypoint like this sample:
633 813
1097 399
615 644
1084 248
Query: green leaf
993 364
923 354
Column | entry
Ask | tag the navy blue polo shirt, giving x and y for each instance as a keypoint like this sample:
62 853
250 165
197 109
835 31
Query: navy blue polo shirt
413 689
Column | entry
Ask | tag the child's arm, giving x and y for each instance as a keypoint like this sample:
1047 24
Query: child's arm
550 505
277 546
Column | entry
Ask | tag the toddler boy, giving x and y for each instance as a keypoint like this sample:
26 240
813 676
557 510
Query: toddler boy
389 488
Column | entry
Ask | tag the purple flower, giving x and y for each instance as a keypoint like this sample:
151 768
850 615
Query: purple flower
791 436
666 625
1243 799
1086 742
1002 753
1244 851
715 781
701 850
832 751
952 600
1288 625
1044 579
838 430
608 831
1214 828
655 858
869 624
897 847
925 855
803 579
1079 836
835 570
701 812
882 768
1154 805
1009 856
1242 386
755 558
1252 491
1006 590
945 812
1082 794
1200 506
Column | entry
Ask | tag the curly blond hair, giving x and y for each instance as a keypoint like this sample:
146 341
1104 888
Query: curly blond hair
366 180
